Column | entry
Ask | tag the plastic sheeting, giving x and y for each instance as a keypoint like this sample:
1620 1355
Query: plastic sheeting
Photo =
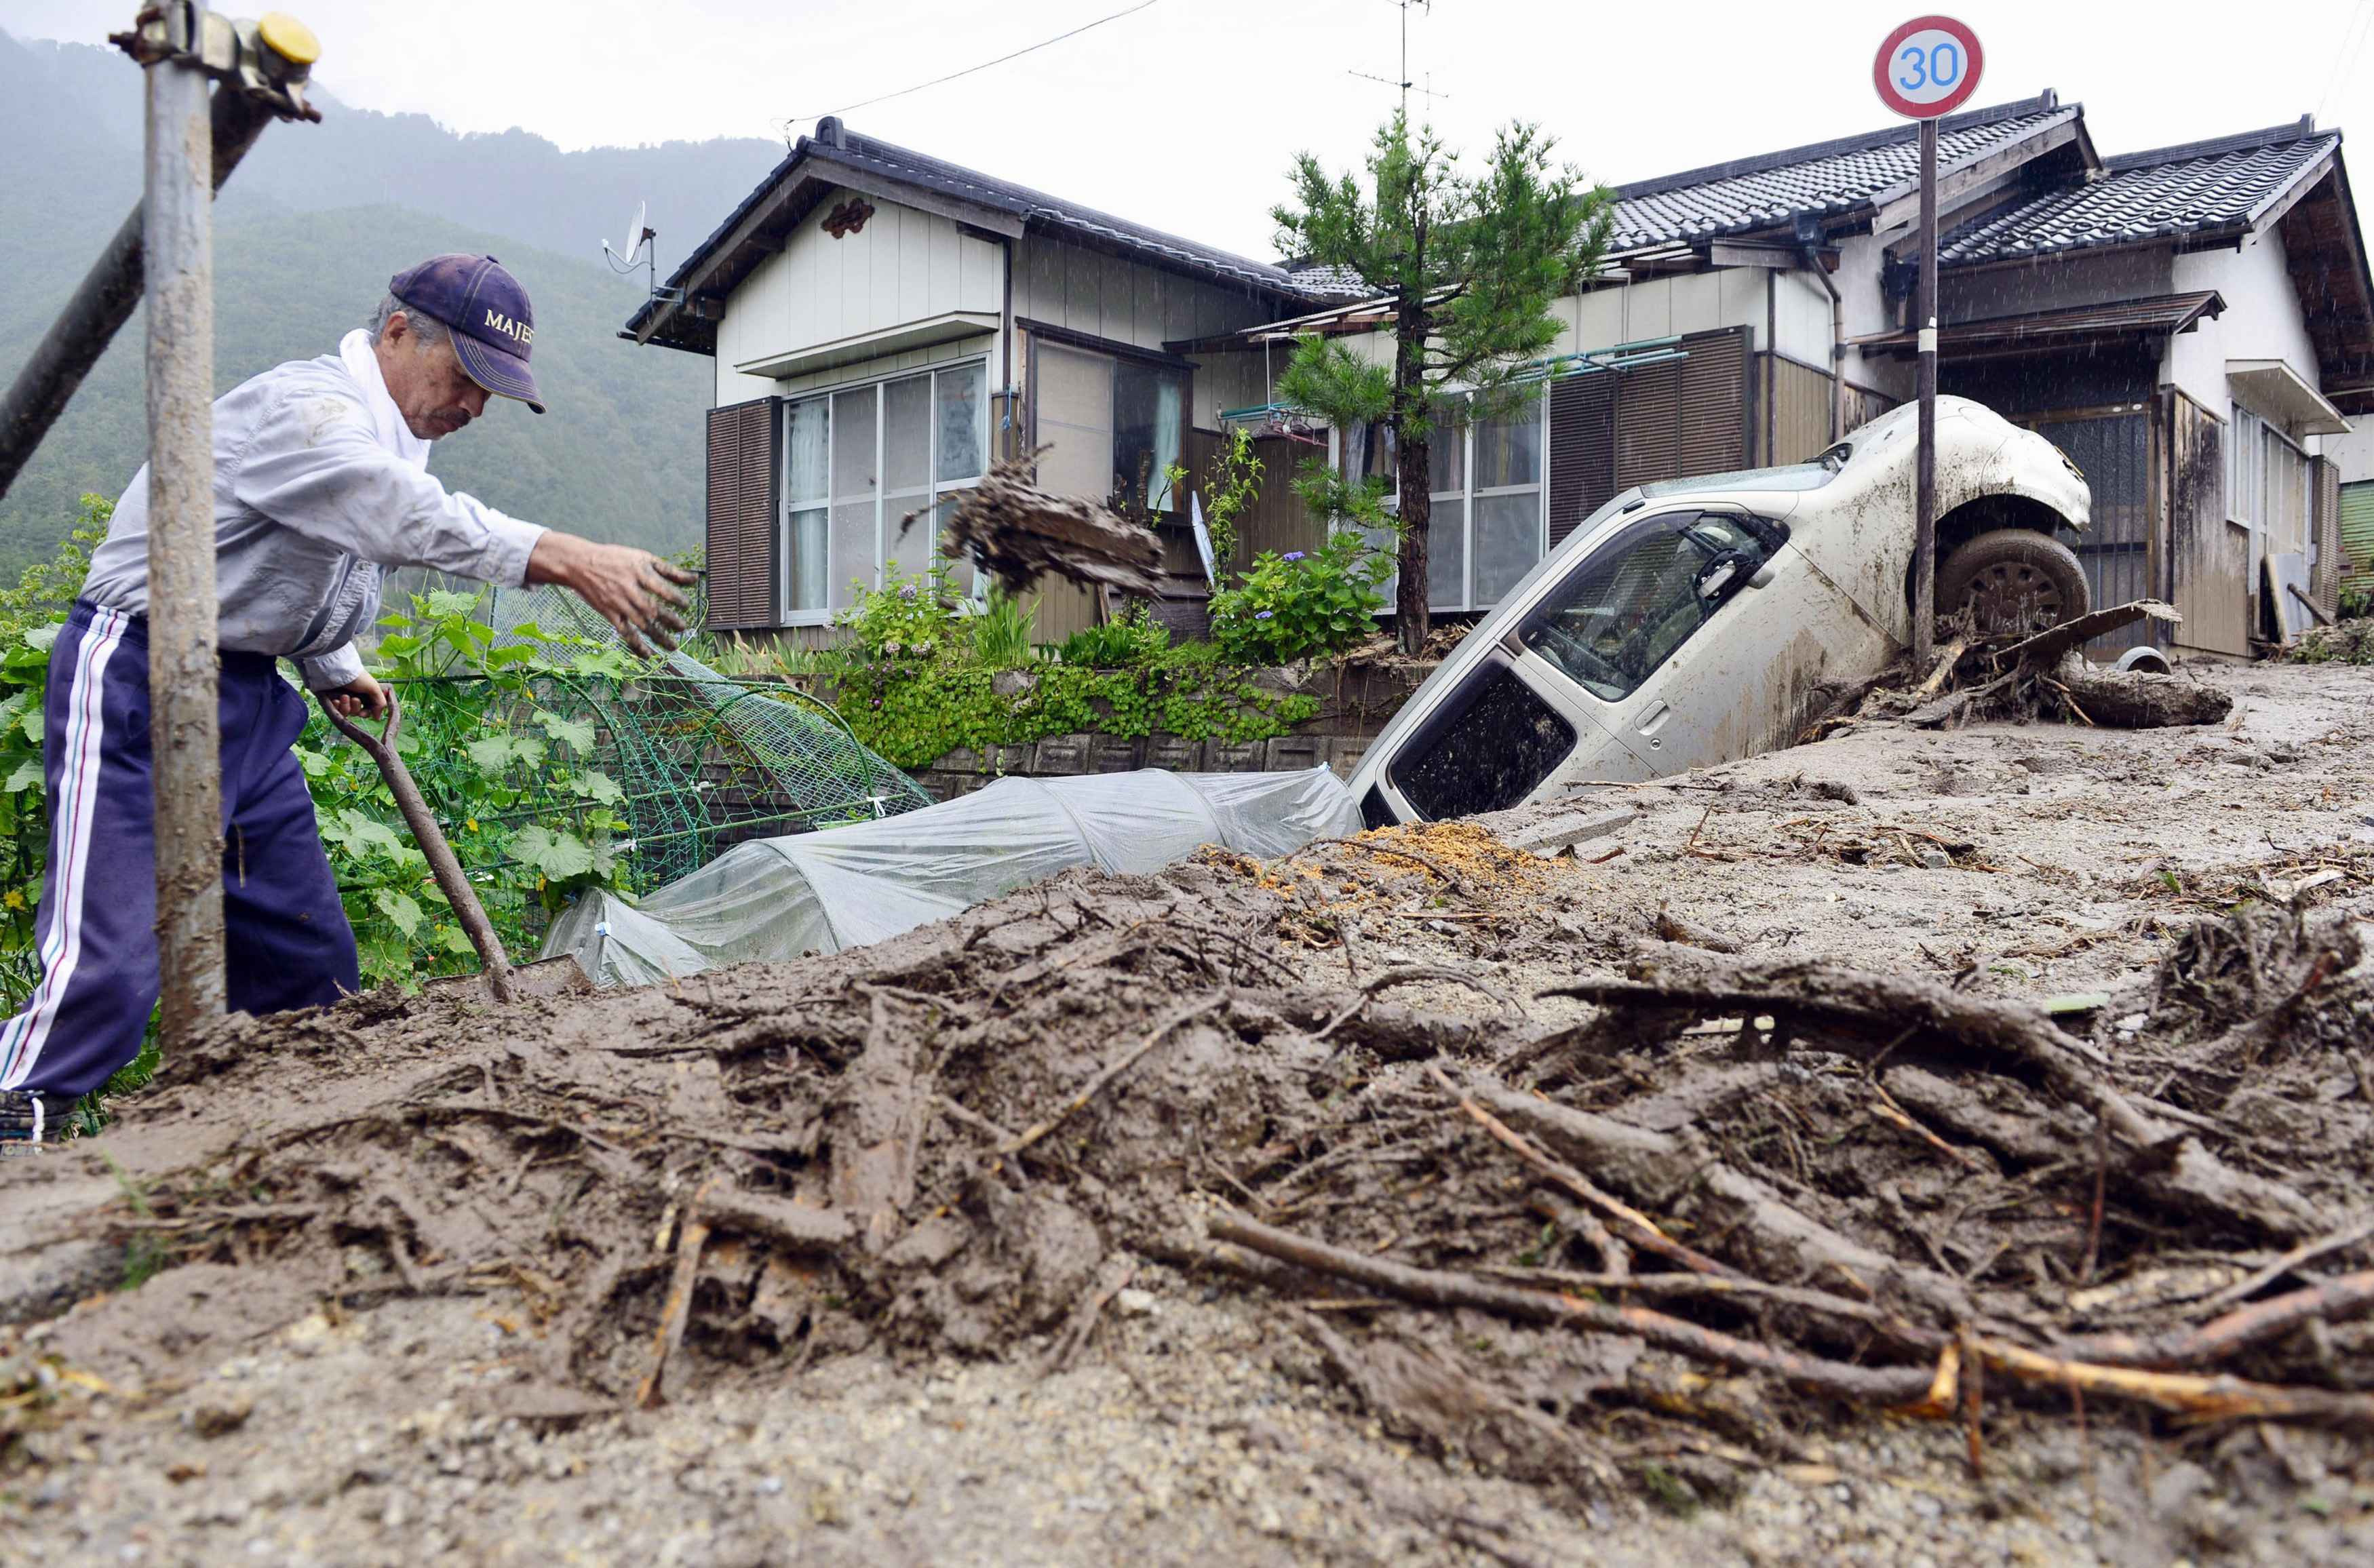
776 898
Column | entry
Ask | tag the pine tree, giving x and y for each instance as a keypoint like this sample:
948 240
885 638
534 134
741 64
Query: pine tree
1466 268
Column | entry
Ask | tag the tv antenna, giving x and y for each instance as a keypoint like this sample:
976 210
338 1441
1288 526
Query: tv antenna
1406 84
639 246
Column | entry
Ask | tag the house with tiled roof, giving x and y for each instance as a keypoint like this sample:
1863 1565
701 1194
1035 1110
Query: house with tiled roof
2194 325
885 323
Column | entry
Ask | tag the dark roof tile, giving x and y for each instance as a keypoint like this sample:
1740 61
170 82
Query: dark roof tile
2198 187
1821 179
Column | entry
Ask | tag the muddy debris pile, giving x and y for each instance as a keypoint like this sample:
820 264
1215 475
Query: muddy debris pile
2022 679
1644 1210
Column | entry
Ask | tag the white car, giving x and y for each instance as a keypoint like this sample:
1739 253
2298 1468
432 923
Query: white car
1686 623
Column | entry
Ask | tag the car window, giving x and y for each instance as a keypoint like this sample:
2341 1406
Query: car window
1624 611
1488 747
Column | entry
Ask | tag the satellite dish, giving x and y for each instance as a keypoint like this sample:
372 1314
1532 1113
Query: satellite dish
636 234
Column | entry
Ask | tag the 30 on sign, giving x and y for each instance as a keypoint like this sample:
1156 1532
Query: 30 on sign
1928 67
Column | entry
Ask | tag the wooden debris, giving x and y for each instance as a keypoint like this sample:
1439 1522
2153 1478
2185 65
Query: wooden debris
1019 533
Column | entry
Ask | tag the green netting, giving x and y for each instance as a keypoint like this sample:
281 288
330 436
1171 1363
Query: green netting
699 761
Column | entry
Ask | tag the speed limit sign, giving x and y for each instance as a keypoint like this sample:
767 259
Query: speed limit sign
1928 67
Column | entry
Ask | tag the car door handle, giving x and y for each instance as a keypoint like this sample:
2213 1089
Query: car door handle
1655 718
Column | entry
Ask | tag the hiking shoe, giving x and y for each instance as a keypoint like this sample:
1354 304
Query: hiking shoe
28 1117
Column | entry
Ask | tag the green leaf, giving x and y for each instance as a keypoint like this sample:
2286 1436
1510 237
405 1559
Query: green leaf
401 911
595 786
27 777
558 855
492 752
42 638
443 603
577 735
454 940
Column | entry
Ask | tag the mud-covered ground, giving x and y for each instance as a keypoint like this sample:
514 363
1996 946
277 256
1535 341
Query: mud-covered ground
931 1225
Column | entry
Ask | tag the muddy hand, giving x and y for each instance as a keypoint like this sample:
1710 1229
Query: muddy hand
632 588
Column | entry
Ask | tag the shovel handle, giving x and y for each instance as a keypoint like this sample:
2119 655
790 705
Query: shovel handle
443 864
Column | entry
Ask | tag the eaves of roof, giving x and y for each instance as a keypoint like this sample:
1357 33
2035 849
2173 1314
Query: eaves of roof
840 156
2034 330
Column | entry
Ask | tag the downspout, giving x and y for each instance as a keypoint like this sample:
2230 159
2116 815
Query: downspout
1837 340
1771 366
1005 350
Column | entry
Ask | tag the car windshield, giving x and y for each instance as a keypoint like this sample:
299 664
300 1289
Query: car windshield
1624 611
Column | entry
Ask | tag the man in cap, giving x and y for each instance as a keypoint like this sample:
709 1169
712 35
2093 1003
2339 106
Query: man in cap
320 483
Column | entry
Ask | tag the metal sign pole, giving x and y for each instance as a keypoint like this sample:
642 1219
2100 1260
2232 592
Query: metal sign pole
184 665
1925 521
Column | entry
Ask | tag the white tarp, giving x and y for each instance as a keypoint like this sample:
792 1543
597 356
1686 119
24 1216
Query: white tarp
842 887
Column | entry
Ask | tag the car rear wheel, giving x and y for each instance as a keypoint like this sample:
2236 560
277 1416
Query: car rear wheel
2014 582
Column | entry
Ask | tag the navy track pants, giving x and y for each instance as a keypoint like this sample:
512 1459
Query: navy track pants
286 938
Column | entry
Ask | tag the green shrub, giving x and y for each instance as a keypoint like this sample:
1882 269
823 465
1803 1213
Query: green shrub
1002 631
1302 606
1124 643
914 687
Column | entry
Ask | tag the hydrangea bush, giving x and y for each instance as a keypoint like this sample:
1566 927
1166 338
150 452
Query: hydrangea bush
1302 606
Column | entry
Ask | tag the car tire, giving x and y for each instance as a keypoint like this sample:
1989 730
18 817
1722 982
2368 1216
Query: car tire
2014 582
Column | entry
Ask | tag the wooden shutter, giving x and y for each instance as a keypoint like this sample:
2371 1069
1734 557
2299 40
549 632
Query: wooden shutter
1713 433
1687 416
1582 449
1648 425
745 466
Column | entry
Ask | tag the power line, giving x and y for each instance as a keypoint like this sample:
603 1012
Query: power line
969 70
2353 43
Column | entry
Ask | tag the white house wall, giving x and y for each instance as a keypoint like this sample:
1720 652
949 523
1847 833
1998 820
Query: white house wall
1087 291
904 266
2262 319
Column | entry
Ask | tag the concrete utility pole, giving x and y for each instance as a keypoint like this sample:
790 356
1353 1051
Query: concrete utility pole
183 663
1924 312
184 48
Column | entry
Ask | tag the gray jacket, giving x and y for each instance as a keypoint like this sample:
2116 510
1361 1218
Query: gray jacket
318 486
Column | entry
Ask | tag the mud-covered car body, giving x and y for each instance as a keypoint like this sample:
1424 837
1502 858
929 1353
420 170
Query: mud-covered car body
1688 622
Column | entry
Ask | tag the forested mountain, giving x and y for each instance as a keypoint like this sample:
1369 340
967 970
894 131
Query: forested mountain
308 231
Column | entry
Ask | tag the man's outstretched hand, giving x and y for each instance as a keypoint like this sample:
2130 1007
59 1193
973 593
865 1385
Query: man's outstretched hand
633 590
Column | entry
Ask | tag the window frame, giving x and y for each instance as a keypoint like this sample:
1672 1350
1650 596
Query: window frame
1042 336
1468 495
939 487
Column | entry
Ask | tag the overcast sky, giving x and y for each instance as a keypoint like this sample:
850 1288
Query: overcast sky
1184 114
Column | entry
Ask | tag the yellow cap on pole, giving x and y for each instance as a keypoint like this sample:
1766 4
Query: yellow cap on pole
289 37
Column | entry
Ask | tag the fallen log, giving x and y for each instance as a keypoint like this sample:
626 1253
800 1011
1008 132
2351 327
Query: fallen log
2139 701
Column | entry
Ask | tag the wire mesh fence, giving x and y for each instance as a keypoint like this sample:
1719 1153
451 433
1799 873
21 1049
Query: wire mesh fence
691 760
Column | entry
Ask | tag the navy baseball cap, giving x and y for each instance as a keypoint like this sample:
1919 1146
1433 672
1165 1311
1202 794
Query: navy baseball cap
493 324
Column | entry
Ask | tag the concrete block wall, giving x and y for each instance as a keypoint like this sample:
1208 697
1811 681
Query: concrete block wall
961 772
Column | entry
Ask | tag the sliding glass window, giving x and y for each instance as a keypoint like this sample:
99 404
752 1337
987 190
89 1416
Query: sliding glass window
1484 528
858 464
